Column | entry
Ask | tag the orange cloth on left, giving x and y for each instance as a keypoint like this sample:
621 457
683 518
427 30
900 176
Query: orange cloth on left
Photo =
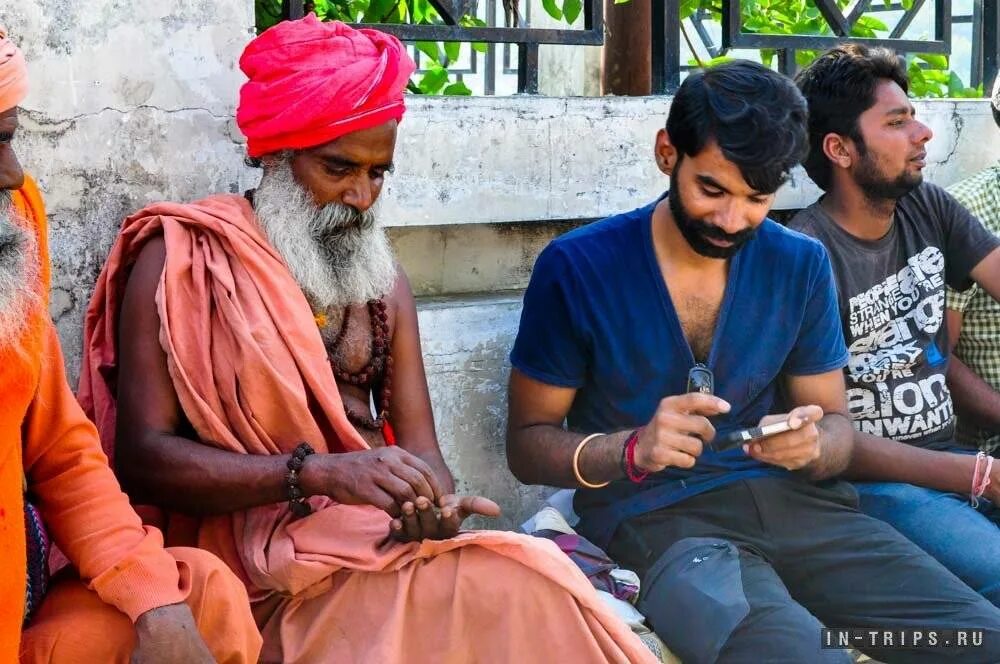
74 625
45 437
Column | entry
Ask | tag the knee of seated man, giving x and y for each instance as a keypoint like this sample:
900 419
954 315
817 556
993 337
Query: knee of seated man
73 624
214 587
693 597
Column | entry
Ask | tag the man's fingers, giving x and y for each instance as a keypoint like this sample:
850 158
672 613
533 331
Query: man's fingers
416 479
400 490
428 518
672 447
381 499
695 403
425 470
411 522
785 442
804 414
696 425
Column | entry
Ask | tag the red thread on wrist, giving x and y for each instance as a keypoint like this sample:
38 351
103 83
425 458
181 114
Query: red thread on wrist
631 470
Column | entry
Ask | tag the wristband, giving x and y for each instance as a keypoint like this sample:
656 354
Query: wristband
631 470
296 499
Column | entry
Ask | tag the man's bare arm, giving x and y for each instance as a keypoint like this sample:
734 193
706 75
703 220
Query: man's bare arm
158 465
410 408
975 400
883 460
987 274
539 451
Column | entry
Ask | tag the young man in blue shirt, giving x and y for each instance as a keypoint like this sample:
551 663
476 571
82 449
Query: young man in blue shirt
746 552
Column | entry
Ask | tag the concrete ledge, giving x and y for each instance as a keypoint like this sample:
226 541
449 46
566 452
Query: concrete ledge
503 159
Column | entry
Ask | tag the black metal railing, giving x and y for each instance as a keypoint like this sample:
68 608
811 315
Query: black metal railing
667 36
527 39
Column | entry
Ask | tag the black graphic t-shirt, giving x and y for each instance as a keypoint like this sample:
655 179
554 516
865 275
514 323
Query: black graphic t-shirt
891 296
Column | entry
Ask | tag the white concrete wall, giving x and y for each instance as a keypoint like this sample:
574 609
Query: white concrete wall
133 103
478 160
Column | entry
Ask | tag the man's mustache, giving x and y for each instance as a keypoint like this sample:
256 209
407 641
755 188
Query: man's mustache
716 233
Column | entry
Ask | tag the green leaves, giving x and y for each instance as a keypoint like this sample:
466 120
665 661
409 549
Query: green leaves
572 10
458 88
433 80
430 49
935 60
552 9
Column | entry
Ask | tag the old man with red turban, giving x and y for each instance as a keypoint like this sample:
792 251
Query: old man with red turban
123 596
254 364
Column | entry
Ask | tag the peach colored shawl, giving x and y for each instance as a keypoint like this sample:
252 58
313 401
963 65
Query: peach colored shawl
250 371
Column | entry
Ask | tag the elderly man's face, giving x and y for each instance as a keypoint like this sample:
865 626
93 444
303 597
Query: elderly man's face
11 174
349 170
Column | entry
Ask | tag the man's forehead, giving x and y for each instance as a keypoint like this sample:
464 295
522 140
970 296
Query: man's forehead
375 144
711 166
890 98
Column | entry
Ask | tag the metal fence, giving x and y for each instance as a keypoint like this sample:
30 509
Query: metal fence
667 35
527 39
668 44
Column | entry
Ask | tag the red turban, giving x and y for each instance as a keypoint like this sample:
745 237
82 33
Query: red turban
13 73
311 82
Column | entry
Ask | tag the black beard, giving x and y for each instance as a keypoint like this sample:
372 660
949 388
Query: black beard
876 186
696 230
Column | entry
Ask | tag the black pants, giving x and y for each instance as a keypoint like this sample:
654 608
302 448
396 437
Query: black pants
752 571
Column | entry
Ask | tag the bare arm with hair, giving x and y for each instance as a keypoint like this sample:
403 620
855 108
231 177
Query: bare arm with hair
540 451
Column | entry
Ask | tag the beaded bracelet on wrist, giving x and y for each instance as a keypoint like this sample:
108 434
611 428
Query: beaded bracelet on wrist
296 498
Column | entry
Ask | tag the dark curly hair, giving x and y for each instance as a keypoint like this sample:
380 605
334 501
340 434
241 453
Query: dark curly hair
755 115
839 86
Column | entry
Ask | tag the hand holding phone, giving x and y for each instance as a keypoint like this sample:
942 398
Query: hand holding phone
794 449
734 438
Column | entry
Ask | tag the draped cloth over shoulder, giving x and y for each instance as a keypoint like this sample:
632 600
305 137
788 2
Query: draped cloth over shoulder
250 371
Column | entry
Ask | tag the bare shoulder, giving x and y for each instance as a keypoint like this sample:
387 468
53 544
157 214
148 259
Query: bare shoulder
401 295
144 277
149 262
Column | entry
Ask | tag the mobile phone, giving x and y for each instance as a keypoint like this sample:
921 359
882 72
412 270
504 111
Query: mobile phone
734 438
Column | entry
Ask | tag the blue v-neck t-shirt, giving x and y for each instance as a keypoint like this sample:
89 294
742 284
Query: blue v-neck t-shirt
598 317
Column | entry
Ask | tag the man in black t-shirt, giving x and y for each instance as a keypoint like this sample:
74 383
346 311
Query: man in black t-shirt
895 242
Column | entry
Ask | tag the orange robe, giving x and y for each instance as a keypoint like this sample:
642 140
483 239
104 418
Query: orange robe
250 371
45 436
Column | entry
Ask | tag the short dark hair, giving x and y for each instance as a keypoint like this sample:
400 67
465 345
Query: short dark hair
839 86
755 115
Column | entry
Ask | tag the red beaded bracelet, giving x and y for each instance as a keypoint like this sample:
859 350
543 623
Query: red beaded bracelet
631 470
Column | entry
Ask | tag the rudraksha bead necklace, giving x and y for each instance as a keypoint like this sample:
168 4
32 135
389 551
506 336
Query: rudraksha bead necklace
380 359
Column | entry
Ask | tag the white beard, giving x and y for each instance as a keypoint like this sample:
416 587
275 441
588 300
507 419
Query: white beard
337 255
19 296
